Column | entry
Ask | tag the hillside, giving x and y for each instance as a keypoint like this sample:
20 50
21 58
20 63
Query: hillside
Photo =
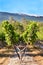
18 17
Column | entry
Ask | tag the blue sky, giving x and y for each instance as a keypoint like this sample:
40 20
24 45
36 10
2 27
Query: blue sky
22 6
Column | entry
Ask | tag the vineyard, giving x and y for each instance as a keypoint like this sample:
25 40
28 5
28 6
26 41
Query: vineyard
14 33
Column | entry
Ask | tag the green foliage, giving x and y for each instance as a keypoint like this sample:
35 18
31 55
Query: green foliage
30 35
18 27
10 36
2 37
40 33
26 31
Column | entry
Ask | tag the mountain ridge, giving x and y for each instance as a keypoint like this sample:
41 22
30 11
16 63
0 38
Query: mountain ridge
19 16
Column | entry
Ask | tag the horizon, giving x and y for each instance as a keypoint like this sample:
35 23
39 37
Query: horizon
22 14
33 8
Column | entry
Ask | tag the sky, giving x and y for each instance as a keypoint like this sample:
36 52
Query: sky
33 7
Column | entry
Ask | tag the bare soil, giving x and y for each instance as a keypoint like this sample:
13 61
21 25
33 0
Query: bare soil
7 54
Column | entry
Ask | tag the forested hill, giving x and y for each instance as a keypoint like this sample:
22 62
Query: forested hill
18 17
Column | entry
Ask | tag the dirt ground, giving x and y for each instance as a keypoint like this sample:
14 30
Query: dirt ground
39 59
5 55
